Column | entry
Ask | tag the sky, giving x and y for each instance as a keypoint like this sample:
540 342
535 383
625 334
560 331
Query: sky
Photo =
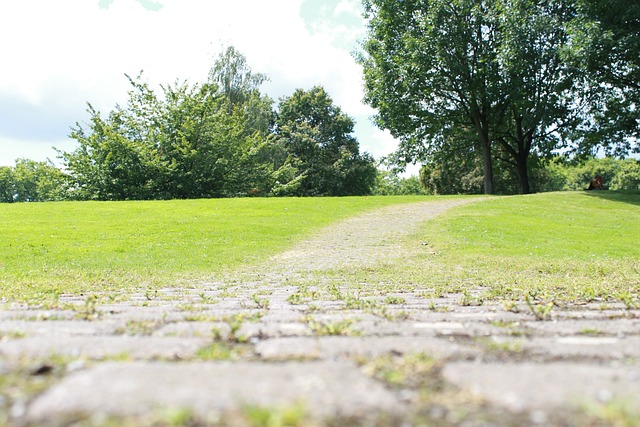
58 55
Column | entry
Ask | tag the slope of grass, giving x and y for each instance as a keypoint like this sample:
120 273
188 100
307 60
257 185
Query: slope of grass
560 247
51 248
568 247
576 225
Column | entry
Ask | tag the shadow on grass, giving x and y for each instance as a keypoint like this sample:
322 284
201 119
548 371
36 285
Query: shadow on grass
628 196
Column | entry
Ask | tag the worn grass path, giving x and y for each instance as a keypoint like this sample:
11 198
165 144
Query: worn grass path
284 344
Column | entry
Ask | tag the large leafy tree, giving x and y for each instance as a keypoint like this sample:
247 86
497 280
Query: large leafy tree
489 72
428 68
545 95
185 141
607 45
7 185
323 157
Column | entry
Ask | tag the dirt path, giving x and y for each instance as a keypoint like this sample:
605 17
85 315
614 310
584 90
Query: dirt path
285 341
363 240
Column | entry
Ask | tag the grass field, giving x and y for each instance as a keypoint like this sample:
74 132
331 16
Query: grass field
568 247
47 249
562 247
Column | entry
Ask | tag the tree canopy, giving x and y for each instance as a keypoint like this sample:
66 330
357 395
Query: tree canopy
317 137
493 79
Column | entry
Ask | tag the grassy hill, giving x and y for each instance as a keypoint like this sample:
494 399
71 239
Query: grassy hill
574 246
47 249
547 249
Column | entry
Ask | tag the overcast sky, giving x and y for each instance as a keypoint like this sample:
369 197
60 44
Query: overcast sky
58 55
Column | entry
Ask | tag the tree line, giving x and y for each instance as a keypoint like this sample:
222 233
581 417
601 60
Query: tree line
219 138
561 173
31 181
493 96
503 84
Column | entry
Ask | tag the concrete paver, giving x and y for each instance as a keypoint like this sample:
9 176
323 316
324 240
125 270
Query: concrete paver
549 386
101 347
324 388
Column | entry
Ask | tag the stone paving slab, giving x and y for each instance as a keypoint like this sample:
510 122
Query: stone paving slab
335 347
549 386
59 327
603 348
192 329
37 315
325 388
100 347
618 327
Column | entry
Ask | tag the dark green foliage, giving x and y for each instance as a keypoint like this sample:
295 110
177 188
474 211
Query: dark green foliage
503 83
616 174
7 184
323 156
607 47
558 174
457 173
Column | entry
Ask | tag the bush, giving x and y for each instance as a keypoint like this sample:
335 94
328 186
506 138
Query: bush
627 176
388 183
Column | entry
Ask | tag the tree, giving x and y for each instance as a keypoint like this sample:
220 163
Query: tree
389 183
188 141
7 185
31 181
458 172
116 155
546 94
234 77
428 69
323 157
606 44
485 70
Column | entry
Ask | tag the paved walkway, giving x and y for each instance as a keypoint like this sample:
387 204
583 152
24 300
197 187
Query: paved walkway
266 347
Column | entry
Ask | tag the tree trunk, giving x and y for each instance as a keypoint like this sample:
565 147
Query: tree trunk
488 166
523 174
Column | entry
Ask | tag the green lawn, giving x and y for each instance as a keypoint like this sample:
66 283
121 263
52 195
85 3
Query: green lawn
567 247
51 248
561 247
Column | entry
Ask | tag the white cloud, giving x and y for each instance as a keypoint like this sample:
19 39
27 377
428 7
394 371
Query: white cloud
58 55
351 7
34 150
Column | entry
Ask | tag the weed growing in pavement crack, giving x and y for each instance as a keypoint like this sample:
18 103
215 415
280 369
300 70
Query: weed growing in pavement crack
295 299
541 311
615 412
499 346
630 300
341 327
390 299
139 327
234 322
89 310
469 300
262 303
295 415
408 370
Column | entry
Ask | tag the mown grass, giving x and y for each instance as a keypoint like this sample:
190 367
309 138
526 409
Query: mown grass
47 249
543 249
